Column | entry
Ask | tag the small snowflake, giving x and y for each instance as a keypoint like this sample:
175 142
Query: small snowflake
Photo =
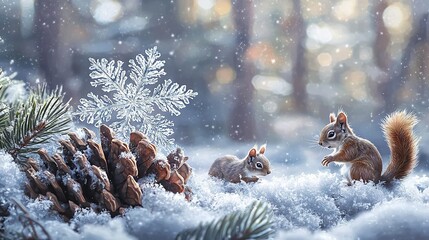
130 106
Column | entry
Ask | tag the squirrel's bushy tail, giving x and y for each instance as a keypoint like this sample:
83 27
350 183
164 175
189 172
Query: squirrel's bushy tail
403 144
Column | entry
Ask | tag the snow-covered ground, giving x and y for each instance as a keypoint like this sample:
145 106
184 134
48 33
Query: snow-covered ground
308 202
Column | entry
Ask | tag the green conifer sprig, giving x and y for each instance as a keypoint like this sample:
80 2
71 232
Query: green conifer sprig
26 124
4 116
252 223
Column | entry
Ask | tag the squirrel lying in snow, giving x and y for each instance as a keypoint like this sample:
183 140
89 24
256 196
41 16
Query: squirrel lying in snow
235 170
361 159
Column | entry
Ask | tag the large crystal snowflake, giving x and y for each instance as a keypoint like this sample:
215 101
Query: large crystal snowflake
131 106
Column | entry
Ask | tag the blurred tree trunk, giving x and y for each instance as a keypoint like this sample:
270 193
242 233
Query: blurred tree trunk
422 74
397 72
380 51
382 39
299 81
242 117
400 71
53 57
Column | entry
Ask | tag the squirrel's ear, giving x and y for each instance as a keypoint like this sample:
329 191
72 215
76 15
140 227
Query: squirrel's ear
332 118
252 152
342 120
342 117
262 149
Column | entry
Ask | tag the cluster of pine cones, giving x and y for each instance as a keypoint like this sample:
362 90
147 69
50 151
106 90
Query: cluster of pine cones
103 176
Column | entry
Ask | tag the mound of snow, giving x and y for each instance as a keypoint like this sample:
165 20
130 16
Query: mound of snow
318 206
398 219
12 179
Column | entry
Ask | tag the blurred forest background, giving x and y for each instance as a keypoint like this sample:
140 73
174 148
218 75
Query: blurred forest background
265 70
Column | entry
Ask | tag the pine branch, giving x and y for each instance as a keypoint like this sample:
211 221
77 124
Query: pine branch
34 121
5 81
4 116
252 223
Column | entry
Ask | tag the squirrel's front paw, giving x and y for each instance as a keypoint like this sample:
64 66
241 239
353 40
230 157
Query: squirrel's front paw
326 160
250 179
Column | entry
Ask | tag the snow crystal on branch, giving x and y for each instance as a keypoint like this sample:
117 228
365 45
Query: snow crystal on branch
132 104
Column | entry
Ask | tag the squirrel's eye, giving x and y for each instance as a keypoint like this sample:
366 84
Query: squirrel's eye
331 134
259 165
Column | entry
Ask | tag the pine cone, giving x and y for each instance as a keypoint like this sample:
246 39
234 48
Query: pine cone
103 176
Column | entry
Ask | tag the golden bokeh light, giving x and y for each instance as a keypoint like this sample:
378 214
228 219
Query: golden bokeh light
345 10
355 83
396 17
324 59
223 7
264 55
225 75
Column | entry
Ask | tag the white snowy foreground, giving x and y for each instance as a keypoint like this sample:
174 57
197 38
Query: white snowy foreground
315 205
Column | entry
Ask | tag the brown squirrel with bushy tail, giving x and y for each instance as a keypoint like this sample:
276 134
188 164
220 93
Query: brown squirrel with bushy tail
362 161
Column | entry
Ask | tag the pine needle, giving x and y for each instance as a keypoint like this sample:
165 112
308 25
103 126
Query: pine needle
252 223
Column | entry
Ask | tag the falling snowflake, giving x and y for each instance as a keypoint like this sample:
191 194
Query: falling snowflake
131 106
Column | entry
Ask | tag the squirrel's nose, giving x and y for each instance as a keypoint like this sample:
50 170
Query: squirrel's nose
320 143
268 172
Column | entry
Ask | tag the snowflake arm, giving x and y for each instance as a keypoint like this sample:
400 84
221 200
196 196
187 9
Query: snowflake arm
171 97
145 71
95 111
159 129
106 74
